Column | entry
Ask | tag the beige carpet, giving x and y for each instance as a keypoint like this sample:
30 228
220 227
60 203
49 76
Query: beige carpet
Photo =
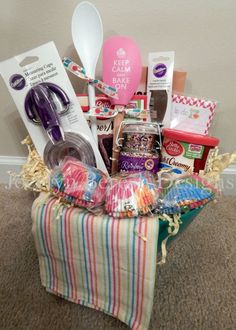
196 289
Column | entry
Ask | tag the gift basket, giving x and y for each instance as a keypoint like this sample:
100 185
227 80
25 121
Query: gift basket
123 171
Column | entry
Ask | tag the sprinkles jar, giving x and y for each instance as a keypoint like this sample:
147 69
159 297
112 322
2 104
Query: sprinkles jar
140 148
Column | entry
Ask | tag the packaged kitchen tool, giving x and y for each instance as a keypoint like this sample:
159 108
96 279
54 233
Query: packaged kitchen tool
140 147
43 94
122 69
185 152
159 84
192 114
78 183
131 195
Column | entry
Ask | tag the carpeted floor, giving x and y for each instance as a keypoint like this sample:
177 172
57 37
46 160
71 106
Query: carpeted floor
196 289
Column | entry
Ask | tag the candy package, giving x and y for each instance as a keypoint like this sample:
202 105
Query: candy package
79 184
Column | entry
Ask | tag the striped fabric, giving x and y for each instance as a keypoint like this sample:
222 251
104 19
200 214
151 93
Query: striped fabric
95 261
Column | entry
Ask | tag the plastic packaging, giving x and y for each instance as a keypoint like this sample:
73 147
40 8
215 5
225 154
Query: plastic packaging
131 195
75 145
142 137
185 152
141 144
160 77
183 195
79 184
37 77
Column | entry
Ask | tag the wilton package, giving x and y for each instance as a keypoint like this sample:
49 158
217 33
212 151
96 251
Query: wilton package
43 94
159 84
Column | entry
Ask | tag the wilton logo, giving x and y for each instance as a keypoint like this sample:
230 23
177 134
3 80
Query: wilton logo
120 53
159 70
17 82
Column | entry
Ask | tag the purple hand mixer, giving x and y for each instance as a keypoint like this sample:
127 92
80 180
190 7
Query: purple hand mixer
41 108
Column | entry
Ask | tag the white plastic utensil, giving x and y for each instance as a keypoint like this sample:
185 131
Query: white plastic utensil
87 35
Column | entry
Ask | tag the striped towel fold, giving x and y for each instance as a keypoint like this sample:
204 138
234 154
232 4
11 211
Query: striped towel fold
97 261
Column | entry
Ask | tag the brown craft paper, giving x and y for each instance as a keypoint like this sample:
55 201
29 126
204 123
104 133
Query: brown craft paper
179 80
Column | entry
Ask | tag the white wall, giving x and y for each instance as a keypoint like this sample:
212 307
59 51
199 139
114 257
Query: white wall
203 34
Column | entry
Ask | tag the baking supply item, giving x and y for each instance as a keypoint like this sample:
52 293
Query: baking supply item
131 195
192 114
122 69
186 194
138 162
158 105
75 145
185 152
41 108
159 84
140 147
78 183
138 136
87 35
43 65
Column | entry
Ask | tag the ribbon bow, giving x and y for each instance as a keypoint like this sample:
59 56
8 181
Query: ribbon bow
100 111
81 73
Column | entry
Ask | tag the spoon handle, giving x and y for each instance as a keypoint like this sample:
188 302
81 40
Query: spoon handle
115 149
93 120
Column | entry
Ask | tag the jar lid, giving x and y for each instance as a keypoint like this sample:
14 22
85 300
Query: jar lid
140 127
190 137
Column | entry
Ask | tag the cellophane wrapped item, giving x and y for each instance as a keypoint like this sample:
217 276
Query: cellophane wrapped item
184 194
79 184
131 195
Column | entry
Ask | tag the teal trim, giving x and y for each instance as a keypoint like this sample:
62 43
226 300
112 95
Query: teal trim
186 219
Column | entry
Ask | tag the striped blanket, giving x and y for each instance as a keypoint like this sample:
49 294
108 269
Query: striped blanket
100 262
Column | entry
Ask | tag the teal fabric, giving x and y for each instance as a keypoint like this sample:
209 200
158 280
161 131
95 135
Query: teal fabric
186 219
